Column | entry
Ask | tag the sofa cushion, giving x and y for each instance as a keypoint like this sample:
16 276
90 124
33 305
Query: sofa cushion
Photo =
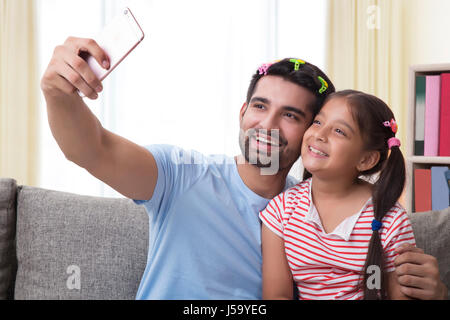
432 233
78 247
8 264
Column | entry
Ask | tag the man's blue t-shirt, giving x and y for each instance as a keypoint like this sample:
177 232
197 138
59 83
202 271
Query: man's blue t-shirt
205 234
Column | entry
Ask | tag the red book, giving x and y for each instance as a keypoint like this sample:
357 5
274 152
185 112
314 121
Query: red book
444 122
422 190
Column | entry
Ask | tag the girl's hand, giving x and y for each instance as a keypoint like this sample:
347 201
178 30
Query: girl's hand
418 274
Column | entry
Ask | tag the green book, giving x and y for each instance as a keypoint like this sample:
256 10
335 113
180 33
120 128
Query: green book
419 134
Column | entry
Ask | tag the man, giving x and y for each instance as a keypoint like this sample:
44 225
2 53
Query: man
204 227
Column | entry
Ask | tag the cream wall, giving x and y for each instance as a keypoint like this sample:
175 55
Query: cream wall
377 60
429 39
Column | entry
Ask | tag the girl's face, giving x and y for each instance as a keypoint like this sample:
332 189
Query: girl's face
332 146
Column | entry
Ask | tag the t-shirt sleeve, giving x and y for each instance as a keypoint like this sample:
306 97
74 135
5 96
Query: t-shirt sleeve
397 233
178 169
272 215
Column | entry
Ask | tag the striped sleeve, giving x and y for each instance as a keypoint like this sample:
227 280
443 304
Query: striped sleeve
398 233
272 215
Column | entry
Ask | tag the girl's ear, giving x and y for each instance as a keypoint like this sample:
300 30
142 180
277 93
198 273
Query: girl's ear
368 161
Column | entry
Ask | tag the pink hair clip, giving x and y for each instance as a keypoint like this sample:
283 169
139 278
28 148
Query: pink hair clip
263 69
392 124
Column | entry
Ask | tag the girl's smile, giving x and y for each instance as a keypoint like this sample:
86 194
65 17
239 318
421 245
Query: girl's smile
316 152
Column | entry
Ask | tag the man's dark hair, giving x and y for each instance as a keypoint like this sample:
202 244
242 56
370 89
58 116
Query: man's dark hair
307 76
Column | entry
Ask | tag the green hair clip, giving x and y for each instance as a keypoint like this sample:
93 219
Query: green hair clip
324 85
297 62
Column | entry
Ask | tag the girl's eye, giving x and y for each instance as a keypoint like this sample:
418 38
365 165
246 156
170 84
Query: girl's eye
316 122
341 132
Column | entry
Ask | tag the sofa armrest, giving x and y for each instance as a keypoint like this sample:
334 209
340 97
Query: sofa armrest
432 233
8 260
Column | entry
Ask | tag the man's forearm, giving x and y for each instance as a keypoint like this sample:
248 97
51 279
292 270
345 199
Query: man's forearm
75 128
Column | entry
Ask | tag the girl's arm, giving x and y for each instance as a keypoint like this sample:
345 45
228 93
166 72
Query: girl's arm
277 277
393 288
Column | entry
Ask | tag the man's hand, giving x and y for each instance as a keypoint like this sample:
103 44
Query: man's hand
67 72
418 274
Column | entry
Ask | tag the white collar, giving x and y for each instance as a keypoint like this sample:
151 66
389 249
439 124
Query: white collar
344 229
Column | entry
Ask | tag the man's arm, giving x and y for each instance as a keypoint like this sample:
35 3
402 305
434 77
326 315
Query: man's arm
277 277
418 274
126 167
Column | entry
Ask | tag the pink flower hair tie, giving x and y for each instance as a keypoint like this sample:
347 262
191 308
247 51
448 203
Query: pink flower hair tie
393 142
263 69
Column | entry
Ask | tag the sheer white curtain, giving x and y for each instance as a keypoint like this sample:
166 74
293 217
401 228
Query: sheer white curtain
185 83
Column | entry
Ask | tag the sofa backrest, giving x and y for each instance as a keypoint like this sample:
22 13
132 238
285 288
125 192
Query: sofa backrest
78 247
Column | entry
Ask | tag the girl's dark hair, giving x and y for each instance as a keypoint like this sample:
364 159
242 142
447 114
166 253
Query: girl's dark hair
306 76
370 113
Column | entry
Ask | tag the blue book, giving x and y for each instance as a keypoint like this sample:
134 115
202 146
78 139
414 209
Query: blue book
447 176
439 188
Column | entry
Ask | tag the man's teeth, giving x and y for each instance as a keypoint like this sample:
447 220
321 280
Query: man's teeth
318 152
263 140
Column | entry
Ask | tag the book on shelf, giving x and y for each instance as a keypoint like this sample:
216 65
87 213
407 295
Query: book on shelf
432 106
439 188
420 116
422 190
447 176
444 116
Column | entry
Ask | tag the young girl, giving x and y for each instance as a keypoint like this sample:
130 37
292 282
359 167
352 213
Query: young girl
334 234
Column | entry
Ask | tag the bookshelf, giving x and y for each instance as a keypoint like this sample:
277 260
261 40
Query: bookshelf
414 161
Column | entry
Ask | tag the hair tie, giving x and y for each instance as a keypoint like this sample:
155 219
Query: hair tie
393 142
376 225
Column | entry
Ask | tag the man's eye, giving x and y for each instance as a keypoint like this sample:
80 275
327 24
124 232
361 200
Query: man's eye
291 116
259 106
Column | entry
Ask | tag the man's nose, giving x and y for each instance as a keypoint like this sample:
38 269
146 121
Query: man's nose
270 122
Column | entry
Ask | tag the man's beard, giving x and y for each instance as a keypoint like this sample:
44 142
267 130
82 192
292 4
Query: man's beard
269 159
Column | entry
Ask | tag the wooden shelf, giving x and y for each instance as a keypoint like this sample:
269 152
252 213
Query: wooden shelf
431 160
413 161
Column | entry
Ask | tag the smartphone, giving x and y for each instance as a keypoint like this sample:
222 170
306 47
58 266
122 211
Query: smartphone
117 39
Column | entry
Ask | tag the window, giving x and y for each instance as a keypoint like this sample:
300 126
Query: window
186 82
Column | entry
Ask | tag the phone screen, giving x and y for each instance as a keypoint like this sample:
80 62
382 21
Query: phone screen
117 39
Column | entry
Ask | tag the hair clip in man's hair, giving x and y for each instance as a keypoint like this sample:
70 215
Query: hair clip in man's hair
263 69
324 85
392 124
297 62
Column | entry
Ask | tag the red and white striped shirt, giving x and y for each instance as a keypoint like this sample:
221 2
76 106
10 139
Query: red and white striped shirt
330 266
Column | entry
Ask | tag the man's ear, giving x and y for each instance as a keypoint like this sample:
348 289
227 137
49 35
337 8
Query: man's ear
242 112
368 161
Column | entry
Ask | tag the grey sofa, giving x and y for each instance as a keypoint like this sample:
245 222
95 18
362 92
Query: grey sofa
57 245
